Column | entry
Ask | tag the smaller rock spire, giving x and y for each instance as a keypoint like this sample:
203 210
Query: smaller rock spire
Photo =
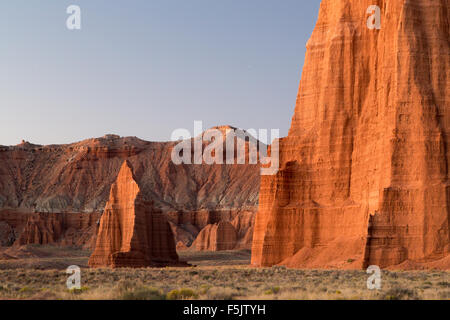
132 232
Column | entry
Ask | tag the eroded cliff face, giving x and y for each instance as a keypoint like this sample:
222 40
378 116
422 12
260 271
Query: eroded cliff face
132 232
190 226
227 233
19 228
364 169
76 178
216 237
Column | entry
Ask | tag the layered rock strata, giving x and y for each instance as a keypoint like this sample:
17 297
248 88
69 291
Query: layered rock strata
364 173
132 232
63 229
76 178
216 237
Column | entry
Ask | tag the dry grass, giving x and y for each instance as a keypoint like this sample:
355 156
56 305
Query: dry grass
215 282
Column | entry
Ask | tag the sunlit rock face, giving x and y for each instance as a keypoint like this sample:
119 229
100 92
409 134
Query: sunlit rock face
364 169
56 194
132 233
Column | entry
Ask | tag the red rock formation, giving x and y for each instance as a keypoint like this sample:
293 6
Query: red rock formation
15 218
132 233
243 224
67 229
41 228
187 225
364 169
77 178
184 233
216 237
7 234
80 230
181 246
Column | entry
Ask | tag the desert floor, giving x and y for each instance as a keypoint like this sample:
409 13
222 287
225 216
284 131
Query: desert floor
39 273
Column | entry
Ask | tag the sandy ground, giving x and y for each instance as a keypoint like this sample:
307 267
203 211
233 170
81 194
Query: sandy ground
36 272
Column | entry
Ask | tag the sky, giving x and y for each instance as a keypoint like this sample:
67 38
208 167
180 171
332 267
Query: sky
147 67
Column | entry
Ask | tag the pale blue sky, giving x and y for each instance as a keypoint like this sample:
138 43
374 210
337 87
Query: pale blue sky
146 67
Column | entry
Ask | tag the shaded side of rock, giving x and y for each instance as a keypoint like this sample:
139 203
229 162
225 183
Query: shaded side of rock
132 232
216 237
7 234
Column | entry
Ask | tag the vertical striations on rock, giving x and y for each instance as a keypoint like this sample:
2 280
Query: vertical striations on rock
41 228
364 170
75 179
216 237
132 232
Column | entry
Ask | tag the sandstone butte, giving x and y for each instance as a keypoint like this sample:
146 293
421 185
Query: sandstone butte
132 232
216 237
364 176
56 194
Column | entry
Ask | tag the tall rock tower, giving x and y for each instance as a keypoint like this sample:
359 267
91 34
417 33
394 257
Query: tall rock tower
364 171
132 233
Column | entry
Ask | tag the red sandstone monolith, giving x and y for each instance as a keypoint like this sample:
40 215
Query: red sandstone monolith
132 232
364 171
